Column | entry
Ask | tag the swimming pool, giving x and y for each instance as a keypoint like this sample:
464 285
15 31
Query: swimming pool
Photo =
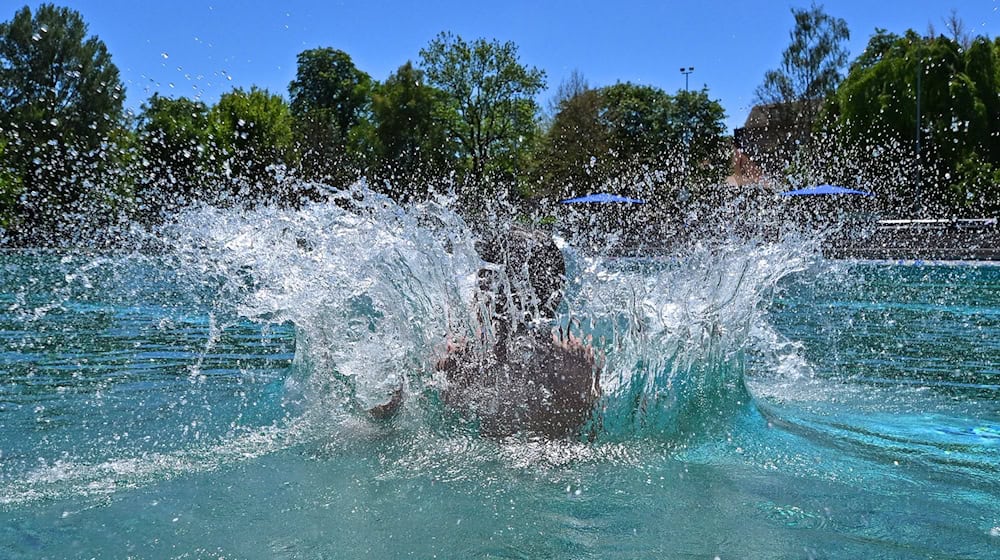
761 403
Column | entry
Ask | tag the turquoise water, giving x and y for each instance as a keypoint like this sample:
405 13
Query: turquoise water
152 407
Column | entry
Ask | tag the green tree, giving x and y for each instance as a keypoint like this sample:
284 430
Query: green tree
810 66
10 193
253 130
178 155
60 114
411 146
699 123
634 140
491 110
329 98
567 89
576 141
959 128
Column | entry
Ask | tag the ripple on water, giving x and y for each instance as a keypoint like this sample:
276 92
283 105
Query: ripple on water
794 517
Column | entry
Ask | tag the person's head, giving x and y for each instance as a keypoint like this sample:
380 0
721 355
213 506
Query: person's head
535 273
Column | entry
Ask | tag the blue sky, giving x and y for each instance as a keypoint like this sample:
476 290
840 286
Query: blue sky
203 48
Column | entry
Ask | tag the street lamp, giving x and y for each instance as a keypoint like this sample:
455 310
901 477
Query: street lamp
919 161
687 72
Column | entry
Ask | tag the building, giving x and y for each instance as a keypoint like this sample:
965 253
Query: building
769 139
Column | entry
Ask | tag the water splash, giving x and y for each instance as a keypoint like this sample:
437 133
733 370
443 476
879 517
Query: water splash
375 289
372 288
678 332
371 291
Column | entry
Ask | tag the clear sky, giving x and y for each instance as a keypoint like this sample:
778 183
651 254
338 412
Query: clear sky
203 48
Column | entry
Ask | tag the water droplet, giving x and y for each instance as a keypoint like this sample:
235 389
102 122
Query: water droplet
164 55
54 122
36 37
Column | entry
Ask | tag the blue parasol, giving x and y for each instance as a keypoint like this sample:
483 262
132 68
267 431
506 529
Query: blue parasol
824 189
602 198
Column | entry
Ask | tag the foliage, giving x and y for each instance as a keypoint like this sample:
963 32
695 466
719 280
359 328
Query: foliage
959 115
627 138
810 65
69 157
60 112
491 108
10 192
329 98
976 189
699 122
575 142
567 89
253 130
411 147
177 151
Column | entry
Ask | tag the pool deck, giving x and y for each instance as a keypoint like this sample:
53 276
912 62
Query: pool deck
923 240
943 240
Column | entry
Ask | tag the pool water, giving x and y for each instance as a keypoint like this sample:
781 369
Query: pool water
849 410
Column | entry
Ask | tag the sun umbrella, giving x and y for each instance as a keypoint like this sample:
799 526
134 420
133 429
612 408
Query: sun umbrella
602 198
824 189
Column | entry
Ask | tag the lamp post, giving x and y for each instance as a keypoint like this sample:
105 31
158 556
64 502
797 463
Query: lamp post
919 160
687 72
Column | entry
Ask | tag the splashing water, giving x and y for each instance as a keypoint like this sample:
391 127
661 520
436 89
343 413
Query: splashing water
679 332
374 290
231 368
371 288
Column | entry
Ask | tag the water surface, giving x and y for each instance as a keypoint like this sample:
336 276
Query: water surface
761 403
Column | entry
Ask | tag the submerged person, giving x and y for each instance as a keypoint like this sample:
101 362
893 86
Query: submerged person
523 377
519 376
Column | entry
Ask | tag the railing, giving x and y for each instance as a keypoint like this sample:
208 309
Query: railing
975 223
937 239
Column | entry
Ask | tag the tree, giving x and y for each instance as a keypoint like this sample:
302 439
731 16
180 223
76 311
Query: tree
569 88
642 135
329 97
699 123
959 119
810 66
411 145
178 155
491 110
956 29
635 140
254 133
574 144
60 110
10 193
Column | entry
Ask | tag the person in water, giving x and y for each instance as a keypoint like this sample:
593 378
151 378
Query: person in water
530 379
520 376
